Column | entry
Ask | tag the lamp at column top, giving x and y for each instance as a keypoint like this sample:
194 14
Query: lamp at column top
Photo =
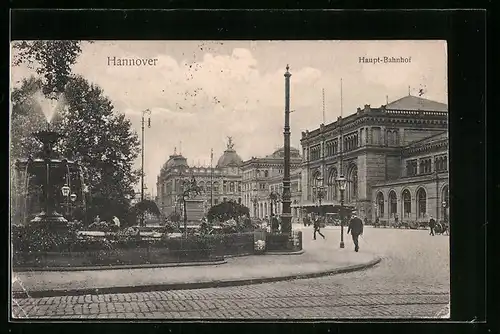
65 190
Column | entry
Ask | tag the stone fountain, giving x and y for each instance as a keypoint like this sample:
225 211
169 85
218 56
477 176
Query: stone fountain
50 172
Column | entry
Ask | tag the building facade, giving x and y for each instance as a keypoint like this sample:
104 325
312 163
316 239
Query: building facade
224 178
247 182
422 190
261 176
373 149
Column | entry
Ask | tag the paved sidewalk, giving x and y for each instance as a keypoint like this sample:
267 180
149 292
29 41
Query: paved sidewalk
321 257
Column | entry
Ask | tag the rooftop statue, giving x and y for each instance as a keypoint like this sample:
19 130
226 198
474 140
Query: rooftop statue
230 144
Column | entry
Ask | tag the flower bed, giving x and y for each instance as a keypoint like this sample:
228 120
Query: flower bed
42 248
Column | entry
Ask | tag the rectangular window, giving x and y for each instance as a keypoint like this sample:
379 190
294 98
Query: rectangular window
411 168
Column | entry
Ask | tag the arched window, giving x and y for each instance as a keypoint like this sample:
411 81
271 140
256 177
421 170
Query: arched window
202 186
258 173
380 205
332 184
266 173
421 203
216 187
393 204
231 187
406 203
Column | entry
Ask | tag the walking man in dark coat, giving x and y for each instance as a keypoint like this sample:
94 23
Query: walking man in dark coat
317 227
356 229
432 225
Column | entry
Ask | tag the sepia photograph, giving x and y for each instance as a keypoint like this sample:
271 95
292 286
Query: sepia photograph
229 180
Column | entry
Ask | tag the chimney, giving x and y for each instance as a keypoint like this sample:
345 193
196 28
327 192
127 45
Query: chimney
358 110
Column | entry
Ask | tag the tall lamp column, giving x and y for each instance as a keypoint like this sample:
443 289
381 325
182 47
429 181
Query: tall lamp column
286 216
341 182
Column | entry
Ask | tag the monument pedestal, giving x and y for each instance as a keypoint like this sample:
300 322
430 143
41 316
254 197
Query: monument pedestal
195 209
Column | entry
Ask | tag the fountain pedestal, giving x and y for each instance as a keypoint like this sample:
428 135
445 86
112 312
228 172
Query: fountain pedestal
49 216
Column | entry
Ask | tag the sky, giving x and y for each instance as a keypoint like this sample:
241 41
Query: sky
201 92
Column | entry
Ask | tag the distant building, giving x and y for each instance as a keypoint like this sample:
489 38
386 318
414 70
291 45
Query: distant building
263 175
246 182
225 178
395 160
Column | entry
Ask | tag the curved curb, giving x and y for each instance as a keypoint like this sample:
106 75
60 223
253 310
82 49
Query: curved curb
194 285
130 266
300 252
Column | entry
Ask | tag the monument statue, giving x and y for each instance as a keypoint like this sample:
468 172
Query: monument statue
230 143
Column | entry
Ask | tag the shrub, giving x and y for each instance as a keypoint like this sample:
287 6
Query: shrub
103 227
43 238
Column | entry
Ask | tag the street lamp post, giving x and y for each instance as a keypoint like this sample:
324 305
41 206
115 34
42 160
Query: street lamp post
72 197
445 214
320 194
65 191
341 182
145 112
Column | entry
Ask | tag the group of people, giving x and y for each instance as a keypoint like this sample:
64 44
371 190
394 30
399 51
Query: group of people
355 228
115 220
436 227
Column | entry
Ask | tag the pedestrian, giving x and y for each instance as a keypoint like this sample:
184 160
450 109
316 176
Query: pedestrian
317 228
432 225
356 229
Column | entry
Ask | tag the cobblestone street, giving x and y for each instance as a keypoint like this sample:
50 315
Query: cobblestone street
412 281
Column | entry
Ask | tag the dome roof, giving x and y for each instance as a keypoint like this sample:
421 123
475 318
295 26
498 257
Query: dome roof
279 153
175 161
229 159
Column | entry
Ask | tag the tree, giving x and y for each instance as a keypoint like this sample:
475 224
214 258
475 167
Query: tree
26 117
227 210
146 206
52 60
104 143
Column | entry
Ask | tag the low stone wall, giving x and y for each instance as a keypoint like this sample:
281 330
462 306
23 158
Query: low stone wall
133 256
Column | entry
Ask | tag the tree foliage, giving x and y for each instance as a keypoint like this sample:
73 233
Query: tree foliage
146 206
101 139
26 117
52 60
227 210
103 142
